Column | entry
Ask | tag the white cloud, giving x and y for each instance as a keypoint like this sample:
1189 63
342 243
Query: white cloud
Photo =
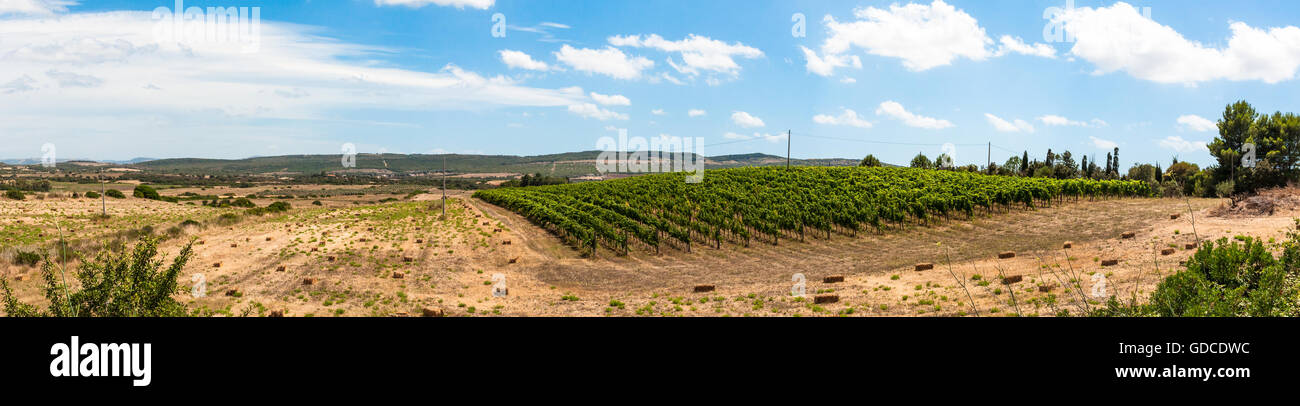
826 66
1181 145
768 137
696 113
520 60
848 81
1192 122
896 111
1103 144
1005 126
609 61
588 110
611 100
658 112
479 4
35 7
698 53
1059 121
746 120
1016 45
83 79
1119 38
847 118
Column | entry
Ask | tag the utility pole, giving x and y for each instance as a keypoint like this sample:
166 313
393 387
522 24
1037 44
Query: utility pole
103 200
444 186
787 149
988 165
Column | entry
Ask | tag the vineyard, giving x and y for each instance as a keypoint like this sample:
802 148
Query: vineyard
745 205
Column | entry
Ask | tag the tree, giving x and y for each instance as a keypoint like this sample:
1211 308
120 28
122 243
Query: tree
1083 166
921 161
1115 166
1050 157
1065 168
1234 131
870 161
1109 163
1024 164
943 161
1013 166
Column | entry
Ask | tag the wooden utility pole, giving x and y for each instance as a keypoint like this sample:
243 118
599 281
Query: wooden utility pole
103 200
444 186
988 165
787 149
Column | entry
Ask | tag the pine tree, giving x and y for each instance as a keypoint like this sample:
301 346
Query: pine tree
1024 164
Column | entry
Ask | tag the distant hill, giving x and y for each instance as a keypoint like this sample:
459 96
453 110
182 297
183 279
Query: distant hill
565 164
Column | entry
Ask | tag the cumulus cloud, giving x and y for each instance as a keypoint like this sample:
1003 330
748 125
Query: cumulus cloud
35 7
746 120
1059 121
698 53
609 61
658 112
1179 144
611 100
1119 38
1192 122
478 4
588 110
696 113
896 111
520 60
768 137
1103 144
80 78
922 36
1005 126
846 118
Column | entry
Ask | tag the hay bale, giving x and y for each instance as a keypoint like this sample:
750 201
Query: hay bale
430 312
419 241
232 245
276 313
330 258
216 264
232 292
407 259
398 275
201 242
1006 254
1127 235
1173 216
833 279
924 266
704 288
1046 288
1068 244
819 299
514 260
308 281
1109 262
1189 246
506 242
1167 251
280 268
1012 279
268 238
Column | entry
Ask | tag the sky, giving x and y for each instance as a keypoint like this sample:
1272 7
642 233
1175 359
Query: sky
115 80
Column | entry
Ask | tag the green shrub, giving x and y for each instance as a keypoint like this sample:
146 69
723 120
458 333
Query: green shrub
145 192
92 195
316 203
15 194
125 284
243 202
114 193
26 258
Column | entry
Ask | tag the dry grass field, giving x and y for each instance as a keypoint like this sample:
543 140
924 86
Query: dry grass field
353 255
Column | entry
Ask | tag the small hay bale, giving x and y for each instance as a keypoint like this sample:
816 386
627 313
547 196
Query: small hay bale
1046 288
819 299
330 258
506 242
704 288
1068 244
268 238
407 259
280 268
1109 262
1127 235
1167 251
308 281
833 279
1006 254
924 266
232 292
1173 216
430 312
398 275
1012 279
1189 246
232 245
216 264
276 313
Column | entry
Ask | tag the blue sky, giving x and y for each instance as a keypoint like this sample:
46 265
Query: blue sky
427 76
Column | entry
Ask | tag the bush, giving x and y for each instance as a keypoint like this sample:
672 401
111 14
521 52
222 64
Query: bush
243 202
145 192
114 193
1225 188
26 258
92 195
126 284
15 194
316 203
